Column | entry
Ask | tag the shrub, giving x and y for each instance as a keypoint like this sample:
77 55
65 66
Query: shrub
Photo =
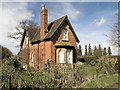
86 58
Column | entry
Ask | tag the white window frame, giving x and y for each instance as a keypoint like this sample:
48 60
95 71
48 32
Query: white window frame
60 57
32 57
66 35
27 40
70 61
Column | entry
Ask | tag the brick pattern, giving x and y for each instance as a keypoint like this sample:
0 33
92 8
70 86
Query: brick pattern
43 22
46 50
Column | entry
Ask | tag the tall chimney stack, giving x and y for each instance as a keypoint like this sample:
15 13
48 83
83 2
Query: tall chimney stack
43 21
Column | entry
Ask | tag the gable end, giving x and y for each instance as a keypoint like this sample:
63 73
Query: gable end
71 28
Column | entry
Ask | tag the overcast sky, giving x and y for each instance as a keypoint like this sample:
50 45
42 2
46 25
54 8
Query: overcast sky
90 20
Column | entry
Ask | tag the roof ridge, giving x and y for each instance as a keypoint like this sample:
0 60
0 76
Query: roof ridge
58 18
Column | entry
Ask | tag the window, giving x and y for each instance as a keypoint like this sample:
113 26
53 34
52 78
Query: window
65 56
32 57
26 40
69 56
64 34
61 56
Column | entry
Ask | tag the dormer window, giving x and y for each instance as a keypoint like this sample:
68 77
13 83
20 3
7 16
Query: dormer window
64 34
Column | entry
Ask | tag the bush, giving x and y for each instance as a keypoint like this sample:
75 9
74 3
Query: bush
86 58
54 75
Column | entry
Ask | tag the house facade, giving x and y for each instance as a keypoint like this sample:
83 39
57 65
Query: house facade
54 41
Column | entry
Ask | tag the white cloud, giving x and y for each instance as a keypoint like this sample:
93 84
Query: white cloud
70 10
94 37
12 14
99 22
66 8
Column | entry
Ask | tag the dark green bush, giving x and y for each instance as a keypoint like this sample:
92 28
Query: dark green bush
87 58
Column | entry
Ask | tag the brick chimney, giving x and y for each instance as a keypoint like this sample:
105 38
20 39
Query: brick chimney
43 21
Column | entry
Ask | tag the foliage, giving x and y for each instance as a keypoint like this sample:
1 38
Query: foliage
5 52
86 50
79 51
104 52
87 58
99 52
54 75
109 51
89 50
95 51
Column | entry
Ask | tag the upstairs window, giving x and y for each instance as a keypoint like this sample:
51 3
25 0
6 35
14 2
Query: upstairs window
27 40
64 34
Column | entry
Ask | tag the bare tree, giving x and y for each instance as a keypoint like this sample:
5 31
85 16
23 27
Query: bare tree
114 36
17 35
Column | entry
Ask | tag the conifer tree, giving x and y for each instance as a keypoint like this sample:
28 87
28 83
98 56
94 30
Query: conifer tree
104 52
89 50
86 50
109 51
79 51
99 50
95 51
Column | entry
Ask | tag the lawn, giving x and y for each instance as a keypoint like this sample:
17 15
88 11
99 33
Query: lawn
102 82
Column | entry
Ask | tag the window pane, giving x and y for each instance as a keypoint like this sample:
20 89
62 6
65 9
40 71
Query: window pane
69 56
64 34
61 56
27 40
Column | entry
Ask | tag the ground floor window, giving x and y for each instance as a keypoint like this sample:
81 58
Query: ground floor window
64 56
61 56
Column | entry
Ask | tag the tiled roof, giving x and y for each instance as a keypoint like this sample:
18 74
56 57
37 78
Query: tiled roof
53 27
34 33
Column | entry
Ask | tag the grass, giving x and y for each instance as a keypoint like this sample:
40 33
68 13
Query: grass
100 82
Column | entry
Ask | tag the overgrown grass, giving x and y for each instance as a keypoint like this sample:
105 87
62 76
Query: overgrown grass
92 74
100 82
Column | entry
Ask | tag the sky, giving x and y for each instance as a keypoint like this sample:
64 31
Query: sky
91 21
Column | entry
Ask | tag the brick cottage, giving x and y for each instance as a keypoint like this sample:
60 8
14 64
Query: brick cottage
54 41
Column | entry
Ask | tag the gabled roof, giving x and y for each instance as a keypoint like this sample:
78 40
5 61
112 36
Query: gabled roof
52 29
54 25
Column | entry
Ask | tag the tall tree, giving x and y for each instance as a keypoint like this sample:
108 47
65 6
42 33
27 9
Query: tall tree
95 51
85 50
109 51
79 51
114 36
5 52
89 50
99 50
104 52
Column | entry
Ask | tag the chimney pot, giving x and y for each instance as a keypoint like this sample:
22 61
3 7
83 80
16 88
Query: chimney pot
43 6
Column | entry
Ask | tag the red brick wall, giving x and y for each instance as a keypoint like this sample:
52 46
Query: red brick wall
71 39
33 49
46 50
43 22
